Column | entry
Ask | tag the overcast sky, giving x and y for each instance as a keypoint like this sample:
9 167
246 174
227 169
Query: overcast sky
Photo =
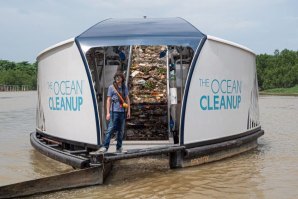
30 26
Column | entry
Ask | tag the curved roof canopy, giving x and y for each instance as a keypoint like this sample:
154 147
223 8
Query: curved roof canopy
148 31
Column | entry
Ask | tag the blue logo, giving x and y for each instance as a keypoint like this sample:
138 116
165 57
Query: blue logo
67 95
226 94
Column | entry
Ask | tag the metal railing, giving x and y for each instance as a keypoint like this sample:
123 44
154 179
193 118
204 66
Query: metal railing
15 88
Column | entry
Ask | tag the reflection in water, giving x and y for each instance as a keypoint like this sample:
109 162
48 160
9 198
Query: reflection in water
270 171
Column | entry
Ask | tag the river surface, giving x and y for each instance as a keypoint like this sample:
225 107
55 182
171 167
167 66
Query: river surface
270 171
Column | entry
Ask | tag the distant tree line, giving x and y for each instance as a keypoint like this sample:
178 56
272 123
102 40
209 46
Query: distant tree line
274 71
21 73
279 70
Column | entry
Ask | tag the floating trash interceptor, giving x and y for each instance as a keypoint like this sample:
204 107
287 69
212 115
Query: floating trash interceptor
193 96
187 89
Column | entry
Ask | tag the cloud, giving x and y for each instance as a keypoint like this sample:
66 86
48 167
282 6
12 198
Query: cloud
28 27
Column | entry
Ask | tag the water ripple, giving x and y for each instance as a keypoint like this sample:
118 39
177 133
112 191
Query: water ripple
270 171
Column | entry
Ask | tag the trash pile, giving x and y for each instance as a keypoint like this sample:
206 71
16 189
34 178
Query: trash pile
148 95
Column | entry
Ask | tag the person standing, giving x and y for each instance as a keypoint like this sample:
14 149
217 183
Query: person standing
118 109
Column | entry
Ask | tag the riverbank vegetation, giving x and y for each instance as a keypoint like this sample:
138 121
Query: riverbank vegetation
21 73
281 91
278 71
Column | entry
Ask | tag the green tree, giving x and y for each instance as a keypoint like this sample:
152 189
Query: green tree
279 70
22 73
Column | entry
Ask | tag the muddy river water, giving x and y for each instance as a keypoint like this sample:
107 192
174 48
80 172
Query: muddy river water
270 171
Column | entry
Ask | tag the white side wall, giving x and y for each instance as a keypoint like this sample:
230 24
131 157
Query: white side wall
65 106
223 72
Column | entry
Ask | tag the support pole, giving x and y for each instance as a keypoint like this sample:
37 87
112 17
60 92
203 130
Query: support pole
176 160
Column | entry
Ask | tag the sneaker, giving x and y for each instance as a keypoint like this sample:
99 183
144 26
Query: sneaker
119 150
102 150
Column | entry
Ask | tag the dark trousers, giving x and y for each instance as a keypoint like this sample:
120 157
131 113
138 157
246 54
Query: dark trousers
117 122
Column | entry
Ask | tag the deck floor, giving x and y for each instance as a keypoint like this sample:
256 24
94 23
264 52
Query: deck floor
134 145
